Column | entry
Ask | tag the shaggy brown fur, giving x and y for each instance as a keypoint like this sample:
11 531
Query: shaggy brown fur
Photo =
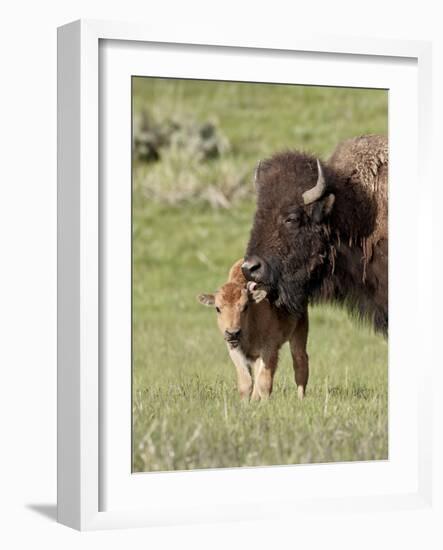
335 249
254 331
364 161
236 274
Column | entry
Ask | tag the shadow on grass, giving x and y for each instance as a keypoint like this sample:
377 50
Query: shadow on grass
359 392
317 392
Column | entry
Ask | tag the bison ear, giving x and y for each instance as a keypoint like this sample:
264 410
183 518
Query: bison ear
206 299
322 208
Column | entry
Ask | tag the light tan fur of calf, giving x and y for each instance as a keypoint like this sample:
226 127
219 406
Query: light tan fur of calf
263 330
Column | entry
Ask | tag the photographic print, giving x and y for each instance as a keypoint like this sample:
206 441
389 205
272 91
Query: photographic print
259 274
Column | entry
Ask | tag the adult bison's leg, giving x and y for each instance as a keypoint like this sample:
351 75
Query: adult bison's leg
264 370
244 379
300 359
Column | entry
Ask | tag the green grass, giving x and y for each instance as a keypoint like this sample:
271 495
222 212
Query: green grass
257 120
260 119
186 411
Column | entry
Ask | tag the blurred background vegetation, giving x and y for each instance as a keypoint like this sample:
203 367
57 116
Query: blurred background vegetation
195 147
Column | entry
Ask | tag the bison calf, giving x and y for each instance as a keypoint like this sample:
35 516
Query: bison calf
254 332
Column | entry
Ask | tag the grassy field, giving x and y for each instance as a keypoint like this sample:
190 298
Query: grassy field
186 412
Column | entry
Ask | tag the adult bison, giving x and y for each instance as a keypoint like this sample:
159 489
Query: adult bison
320 230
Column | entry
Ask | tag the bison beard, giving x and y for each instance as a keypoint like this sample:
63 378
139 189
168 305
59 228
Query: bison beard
320 230
292 280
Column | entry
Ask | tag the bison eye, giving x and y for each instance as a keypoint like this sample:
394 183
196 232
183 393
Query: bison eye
292 219
217 309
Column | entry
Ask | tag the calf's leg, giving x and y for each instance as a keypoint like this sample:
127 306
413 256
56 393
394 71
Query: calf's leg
244 379
264 370
300 359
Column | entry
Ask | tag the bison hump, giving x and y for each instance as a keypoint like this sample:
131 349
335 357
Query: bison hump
363 161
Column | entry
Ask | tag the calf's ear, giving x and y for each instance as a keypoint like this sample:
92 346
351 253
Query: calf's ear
258 295
321 209
206 299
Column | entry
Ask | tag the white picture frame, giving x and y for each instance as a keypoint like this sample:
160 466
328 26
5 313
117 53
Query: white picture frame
96 491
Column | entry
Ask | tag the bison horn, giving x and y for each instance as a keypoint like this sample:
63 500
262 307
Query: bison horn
317 191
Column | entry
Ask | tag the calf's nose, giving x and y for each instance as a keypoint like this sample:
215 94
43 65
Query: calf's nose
232 334
251 267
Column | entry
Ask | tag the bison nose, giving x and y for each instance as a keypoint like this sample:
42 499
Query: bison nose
251 268
232 334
